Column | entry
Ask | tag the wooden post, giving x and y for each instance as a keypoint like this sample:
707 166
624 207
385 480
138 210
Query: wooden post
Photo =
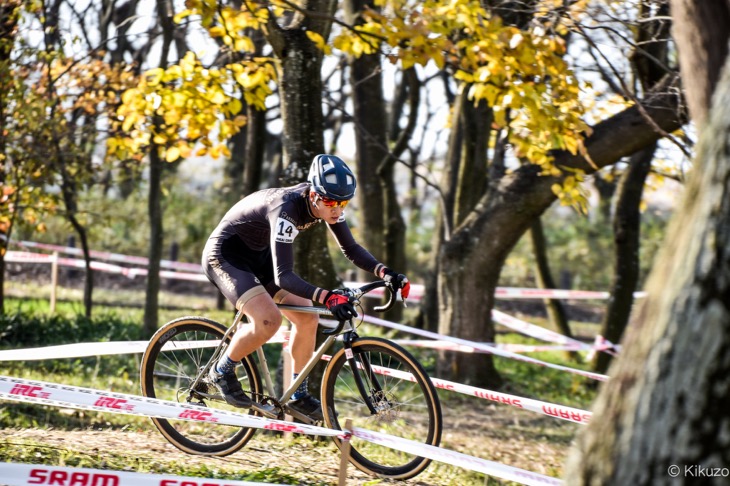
54 281
345 457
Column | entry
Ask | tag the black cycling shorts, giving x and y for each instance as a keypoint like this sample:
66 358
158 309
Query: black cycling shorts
239 272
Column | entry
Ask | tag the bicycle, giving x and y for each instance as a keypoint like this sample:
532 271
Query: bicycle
362 381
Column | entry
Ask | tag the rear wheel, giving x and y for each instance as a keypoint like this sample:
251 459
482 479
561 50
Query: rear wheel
173 358
404 404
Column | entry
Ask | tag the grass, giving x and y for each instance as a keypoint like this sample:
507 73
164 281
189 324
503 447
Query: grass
27 323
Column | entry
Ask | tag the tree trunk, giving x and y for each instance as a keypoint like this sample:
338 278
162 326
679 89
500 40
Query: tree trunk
371 137
9 15
555 309
626 230
154 201
477 252
300 88
664 412
706 47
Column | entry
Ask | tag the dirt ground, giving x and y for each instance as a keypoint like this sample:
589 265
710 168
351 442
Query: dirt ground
495 432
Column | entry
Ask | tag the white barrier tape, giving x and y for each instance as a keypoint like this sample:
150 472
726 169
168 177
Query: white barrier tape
509 293
66 396
456 458
536 331
30 474
513 347
482 347
27 257
88 399
84 350
608 347
417 290
103 255
558 411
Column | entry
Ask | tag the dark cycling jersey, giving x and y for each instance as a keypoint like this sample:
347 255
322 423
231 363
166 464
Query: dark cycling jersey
269 221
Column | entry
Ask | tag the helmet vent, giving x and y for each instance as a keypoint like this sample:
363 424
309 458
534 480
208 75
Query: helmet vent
350 179
332 179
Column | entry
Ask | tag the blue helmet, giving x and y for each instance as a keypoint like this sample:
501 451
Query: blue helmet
331 178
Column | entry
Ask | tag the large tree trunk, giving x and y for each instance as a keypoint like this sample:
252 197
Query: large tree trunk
300 87
470 263
371 137
703 48
626 231
9 15
663 414
666 403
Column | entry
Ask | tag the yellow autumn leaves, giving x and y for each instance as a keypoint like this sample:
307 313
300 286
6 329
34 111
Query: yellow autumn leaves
521 74
186 105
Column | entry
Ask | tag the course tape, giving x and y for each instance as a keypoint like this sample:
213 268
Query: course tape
27 257
417 291
112 257
129 347
454 458
481 346
84 350
28 474
537 331
67 396
513 347
545 408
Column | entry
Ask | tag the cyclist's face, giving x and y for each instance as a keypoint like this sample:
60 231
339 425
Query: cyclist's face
329 214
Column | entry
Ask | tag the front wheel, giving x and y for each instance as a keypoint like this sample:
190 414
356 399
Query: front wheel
174 357
395 396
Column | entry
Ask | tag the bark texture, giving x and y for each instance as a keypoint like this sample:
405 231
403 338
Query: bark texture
666 403
703 47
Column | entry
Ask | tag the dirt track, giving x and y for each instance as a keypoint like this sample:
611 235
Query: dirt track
498 433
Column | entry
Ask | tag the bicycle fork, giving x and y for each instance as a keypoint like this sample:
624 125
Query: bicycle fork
361 363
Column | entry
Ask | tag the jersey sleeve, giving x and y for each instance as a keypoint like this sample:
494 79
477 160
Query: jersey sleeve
283 233
352 249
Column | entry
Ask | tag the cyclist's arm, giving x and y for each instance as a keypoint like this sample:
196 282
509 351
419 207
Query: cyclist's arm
353 250
283 233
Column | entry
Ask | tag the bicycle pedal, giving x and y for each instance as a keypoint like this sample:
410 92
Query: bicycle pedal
300 416
268 410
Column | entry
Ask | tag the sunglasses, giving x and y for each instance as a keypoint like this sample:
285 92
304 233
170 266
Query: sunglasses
331 203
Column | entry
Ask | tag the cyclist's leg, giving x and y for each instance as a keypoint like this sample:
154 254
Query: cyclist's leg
264 320
235 269
304 333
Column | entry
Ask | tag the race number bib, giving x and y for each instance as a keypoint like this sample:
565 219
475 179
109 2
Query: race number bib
285 231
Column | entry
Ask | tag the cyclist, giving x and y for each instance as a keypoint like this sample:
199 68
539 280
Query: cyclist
250 258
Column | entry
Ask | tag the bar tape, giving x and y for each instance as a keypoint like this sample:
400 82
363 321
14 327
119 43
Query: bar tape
27 474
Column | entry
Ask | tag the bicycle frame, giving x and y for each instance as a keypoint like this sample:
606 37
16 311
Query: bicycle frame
342 330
